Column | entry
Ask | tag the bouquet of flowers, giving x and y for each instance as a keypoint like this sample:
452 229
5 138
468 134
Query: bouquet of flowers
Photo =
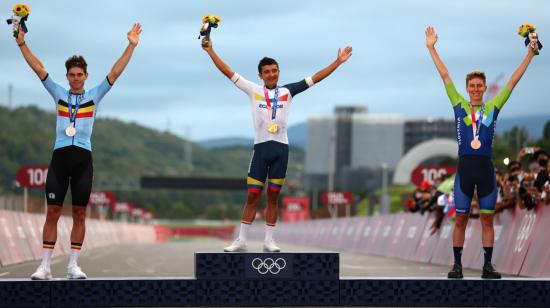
20 14
208 22
529 32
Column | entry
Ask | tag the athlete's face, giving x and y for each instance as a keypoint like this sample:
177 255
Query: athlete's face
476 88
76 77
270 75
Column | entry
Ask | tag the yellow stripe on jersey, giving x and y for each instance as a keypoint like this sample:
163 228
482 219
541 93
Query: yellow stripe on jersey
80 110
259 97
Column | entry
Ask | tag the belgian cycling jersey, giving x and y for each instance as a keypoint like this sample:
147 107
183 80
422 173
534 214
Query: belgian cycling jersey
85 115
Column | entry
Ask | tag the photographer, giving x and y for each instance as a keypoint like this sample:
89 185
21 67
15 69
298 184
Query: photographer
541 157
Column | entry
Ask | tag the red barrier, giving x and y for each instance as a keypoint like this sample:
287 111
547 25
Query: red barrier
523 231
473 247
443 252
320 226
220 232
34 233
359 233
413 235
8 245
503 225
326 232
397 237
545 265
347 235
340 236
370 235
539 251
428 243
22 236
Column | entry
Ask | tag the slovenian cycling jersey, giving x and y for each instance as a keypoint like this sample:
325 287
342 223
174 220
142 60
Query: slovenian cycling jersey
463 121
262 109
84 114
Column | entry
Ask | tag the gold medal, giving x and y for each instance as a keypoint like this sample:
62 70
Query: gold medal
475 144
272 128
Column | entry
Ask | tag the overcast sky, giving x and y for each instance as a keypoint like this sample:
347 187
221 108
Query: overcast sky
171 81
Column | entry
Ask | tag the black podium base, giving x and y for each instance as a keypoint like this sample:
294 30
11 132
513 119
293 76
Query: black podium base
274 279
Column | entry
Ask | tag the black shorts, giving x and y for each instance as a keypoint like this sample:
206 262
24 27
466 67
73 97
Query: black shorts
70 164
269 160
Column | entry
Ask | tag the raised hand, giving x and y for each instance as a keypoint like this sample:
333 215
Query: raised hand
20 36
343 55
431 37
206 44
133 34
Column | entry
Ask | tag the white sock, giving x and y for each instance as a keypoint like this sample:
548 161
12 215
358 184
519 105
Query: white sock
46 257
243 232
269 230
73 257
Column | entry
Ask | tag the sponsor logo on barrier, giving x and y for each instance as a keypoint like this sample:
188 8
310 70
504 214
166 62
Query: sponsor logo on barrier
524 231
468 235
412 232
386 232
426 233
366 232
397 234
350 230
445 232
268 265
498 231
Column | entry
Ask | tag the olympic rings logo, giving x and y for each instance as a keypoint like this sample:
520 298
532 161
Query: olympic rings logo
268 265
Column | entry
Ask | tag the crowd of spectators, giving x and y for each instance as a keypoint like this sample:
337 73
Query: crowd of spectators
524 183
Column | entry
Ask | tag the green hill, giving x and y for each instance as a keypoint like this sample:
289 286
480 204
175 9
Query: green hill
122 153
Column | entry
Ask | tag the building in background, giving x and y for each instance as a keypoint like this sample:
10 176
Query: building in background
353 145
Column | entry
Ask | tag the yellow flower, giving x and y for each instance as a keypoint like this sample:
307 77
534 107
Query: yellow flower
211 19
526 28
21 10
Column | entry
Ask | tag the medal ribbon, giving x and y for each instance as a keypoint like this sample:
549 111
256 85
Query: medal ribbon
72 114
475 126
272 110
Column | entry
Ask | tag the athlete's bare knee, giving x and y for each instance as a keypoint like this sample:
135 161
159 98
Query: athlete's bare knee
253 199
54 212
486 220
461 221
272 196
79 214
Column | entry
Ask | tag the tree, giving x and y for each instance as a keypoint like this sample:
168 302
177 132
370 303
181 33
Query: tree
546 131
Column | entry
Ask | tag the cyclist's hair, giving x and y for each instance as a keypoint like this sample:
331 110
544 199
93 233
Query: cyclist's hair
76 61
266 61
475 74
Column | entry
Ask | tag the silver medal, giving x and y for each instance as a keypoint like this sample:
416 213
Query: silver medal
70 131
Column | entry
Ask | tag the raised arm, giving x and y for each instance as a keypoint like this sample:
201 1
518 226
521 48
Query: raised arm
120 64
516 76
431 39
224 68
343 56
31 59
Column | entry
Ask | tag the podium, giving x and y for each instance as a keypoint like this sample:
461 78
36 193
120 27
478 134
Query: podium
271 280
267 279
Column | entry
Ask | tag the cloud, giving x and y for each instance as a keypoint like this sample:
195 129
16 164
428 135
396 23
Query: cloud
171 79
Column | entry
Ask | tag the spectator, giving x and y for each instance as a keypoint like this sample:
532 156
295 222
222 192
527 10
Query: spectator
541 157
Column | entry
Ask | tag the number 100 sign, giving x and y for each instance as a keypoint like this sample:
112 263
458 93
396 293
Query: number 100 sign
32 176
